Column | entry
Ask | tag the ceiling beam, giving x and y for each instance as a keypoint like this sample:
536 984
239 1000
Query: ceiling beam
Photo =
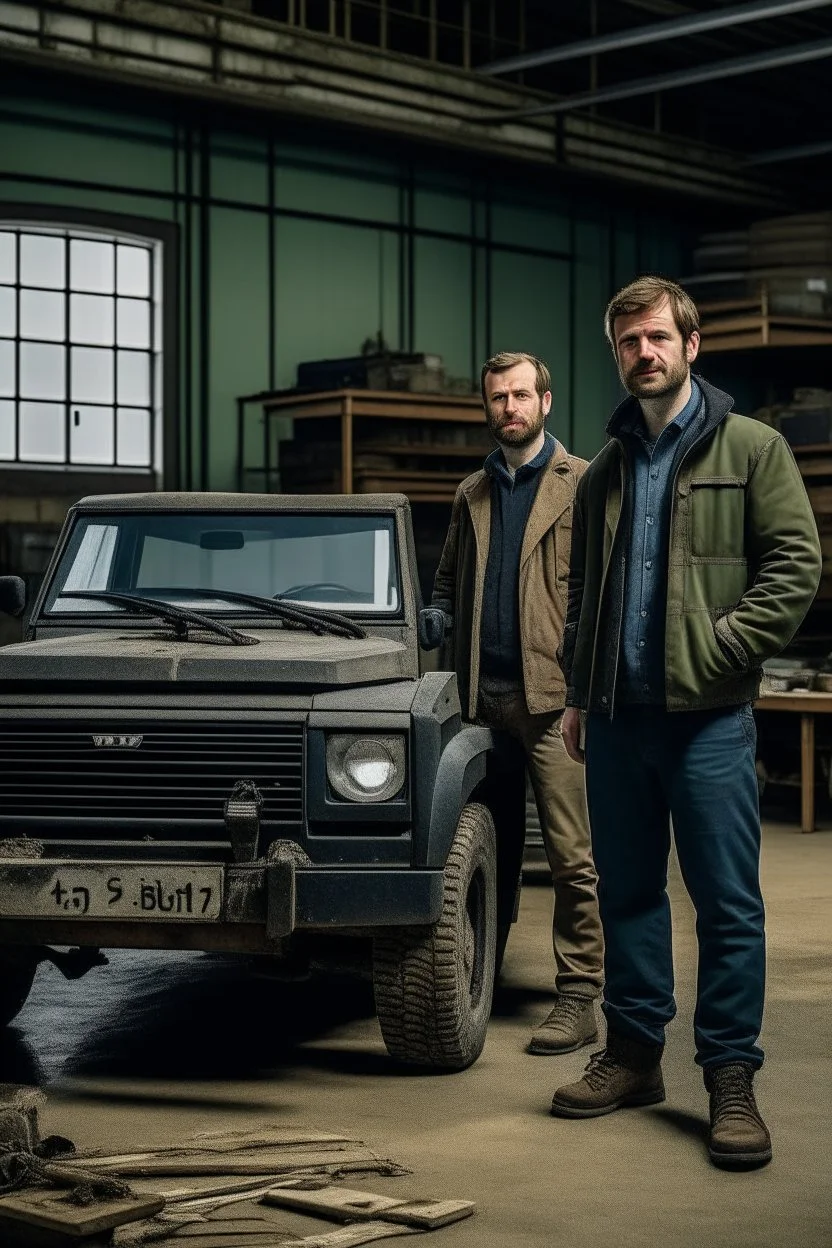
778 154
797 54
638 36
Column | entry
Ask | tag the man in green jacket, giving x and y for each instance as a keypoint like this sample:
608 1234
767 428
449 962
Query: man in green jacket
501 582
695 557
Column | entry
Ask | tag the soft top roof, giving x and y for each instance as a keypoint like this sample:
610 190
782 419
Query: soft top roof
196 501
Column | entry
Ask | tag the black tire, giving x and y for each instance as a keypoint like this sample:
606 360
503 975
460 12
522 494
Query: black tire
433 985
17 974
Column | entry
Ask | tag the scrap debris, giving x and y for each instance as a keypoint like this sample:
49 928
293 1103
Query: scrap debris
45 1202
296 1170
42 1216
26 1160
346 1205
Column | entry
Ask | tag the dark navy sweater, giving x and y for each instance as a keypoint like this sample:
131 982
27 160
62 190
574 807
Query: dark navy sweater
511 503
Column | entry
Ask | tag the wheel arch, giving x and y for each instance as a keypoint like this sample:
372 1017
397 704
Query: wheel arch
479 764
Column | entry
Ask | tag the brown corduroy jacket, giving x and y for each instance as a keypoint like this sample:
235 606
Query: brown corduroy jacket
544 573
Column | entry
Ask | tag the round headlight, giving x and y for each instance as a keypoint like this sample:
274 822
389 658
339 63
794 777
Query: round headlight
369 765
365 769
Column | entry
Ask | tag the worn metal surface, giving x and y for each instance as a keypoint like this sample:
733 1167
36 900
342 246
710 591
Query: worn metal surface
123 841
326 899
152 891
122 656
203 50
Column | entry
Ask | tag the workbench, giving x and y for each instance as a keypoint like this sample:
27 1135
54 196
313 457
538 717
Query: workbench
807 705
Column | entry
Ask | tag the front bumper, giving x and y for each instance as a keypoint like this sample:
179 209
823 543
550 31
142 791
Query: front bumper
263 904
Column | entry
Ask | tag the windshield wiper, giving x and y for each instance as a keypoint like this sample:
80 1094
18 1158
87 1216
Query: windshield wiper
179 619
314 619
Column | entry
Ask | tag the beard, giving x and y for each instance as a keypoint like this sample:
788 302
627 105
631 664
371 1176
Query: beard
523 433
671 377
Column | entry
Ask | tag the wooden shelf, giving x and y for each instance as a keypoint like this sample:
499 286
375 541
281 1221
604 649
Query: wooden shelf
817 467
417 493
749 324
755 333
351 407
450 450
388 404
820 496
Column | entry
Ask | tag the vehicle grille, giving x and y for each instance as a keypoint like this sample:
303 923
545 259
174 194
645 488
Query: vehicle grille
179 772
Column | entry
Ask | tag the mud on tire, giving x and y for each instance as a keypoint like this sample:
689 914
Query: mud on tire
433 985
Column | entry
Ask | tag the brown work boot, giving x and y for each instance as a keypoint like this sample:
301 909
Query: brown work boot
568 1026
624 1073
739 1137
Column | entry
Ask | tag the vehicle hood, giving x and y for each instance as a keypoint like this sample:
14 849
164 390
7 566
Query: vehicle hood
131 657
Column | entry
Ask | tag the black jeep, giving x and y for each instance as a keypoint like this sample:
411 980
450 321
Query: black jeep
215 736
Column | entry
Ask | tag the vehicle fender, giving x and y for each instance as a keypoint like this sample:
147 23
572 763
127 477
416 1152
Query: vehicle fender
462 766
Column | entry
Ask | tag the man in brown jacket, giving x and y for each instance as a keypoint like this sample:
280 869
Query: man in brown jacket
502 581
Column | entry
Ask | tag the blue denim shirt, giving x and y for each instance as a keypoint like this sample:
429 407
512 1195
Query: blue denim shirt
641 669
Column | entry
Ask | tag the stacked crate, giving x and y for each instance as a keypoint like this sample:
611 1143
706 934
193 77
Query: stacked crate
785 260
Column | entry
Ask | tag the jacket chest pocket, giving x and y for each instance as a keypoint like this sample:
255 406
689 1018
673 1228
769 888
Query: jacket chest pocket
717 517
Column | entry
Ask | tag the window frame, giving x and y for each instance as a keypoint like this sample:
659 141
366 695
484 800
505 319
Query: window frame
16 215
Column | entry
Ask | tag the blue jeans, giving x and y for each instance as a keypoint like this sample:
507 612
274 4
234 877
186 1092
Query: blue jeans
644 768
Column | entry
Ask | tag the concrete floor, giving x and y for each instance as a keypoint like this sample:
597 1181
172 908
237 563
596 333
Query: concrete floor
156 1046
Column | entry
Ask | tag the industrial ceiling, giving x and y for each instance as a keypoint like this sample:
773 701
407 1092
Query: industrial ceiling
754 78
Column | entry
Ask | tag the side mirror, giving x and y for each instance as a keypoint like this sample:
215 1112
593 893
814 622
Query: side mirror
12 595
433 627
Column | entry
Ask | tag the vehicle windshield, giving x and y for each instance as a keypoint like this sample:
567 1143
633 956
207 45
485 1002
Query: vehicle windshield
344 563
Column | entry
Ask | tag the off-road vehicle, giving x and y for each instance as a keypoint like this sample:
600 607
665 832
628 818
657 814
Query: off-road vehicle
216 736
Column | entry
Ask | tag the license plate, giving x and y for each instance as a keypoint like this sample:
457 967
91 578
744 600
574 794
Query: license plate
172 892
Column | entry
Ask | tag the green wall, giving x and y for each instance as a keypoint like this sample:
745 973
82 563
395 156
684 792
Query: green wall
291 250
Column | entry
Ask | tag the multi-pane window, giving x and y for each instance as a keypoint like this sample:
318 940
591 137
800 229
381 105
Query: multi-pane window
79 360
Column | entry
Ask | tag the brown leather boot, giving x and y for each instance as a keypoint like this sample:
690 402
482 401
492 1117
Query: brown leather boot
568 1026
739 1137
624 1073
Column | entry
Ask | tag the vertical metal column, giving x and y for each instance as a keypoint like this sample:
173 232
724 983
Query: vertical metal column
346 445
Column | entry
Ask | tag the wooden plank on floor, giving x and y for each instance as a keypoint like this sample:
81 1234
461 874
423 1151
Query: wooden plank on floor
345 1204
430 1214
232 1142
350 1236
348 1204
258 1161
264 1137
51 1210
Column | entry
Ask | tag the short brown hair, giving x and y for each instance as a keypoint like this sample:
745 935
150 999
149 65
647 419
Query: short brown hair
504 360
645 292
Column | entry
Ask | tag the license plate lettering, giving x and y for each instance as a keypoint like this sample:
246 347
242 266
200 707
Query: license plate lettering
185 900
75 898
174 892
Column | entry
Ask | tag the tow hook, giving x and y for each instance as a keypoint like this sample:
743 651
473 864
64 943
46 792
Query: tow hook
242 819
72 963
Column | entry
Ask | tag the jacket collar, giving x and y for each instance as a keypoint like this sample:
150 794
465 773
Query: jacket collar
479 483
554 495
717 406
495 464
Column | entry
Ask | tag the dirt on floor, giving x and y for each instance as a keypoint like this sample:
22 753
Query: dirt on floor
157 1046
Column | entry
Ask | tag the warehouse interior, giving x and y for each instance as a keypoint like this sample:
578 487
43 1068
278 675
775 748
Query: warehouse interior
266 245
379 195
